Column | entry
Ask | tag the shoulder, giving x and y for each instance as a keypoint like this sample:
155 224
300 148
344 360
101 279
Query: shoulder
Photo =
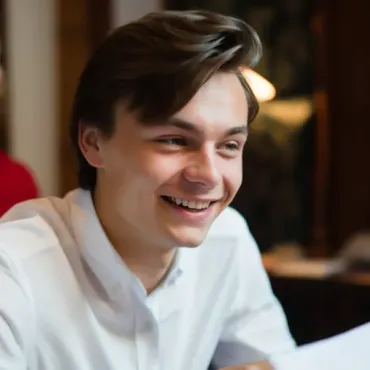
32 227
21 239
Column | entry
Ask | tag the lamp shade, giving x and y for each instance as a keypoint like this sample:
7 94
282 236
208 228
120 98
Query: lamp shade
262 89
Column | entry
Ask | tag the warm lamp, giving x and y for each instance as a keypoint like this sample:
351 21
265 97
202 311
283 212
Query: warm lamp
262 89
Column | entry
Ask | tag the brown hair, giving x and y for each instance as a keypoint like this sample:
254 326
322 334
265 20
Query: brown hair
157 64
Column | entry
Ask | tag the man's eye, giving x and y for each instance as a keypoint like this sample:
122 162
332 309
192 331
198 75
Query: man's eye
231 149
174 141
232 146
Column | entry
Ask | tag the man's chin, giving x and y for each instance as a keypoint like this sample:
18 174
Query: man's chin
189 237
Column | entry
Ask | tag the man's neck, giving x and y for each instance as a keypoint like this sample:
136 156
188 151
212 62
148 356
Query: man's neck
149 263
151 272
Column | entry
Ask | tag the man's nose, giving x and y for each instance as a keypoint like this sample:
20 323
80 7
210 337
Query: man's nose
203 169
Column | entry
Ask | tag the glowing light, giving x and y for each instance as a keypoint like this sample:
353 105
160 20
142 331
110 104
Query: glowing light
262 88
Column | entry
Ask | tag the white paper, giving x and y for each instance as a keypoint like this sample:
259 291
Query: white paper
347 351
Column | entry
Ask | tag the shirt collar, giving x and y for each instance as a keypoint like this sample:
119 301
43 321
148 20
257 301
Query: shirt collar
99 253
94 245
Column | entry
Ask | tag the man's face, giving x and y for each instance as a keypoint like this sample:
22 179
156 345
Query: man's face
167 183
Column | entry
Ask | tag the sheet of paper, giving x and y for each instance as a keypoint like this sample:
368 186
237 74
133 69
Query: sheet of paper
347 351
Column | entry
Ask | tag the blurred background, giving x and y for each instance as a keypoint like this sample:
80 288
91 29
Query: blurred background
306 190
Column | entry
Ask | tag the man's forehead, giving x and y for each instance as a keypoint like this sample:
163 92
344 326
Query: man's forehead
222 99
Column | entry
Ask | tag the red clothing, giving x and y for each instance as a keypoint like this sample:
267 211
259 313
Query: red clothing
16 183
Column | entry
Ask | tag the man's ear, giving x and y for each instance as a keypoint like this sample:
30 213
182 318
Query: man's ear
89 142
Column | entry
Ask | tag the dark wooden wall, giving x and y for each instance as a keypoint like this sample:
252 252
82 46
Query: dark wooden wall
343 132
81 26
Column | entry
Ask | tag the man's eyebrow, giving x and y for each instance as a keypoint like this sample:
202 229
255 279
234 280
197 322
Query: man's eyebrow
237 130
191 127
183 125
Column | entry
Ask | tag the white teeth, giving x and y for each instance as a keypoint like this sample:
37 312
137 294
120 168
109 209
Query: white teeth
201 205
190 204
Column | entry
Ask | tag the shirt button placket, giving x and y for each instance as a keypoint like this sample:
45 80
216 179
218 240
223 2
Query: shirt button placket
147 340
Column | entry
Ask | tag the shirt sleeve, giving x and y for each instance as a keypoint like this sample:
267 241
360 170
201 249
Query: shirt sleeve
255 326
16 318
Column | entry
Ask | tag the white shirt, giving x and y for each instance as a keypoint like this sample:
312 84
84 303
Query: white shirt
68 301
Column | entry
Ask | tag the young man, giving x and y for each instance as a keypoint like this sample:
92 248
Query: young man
145 266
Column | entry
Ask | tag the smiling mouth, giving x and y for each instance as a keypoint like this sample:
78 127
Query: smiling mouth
191 206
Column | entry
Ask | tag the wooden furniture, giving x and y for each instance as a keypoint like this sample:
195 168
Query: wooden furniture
318 309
